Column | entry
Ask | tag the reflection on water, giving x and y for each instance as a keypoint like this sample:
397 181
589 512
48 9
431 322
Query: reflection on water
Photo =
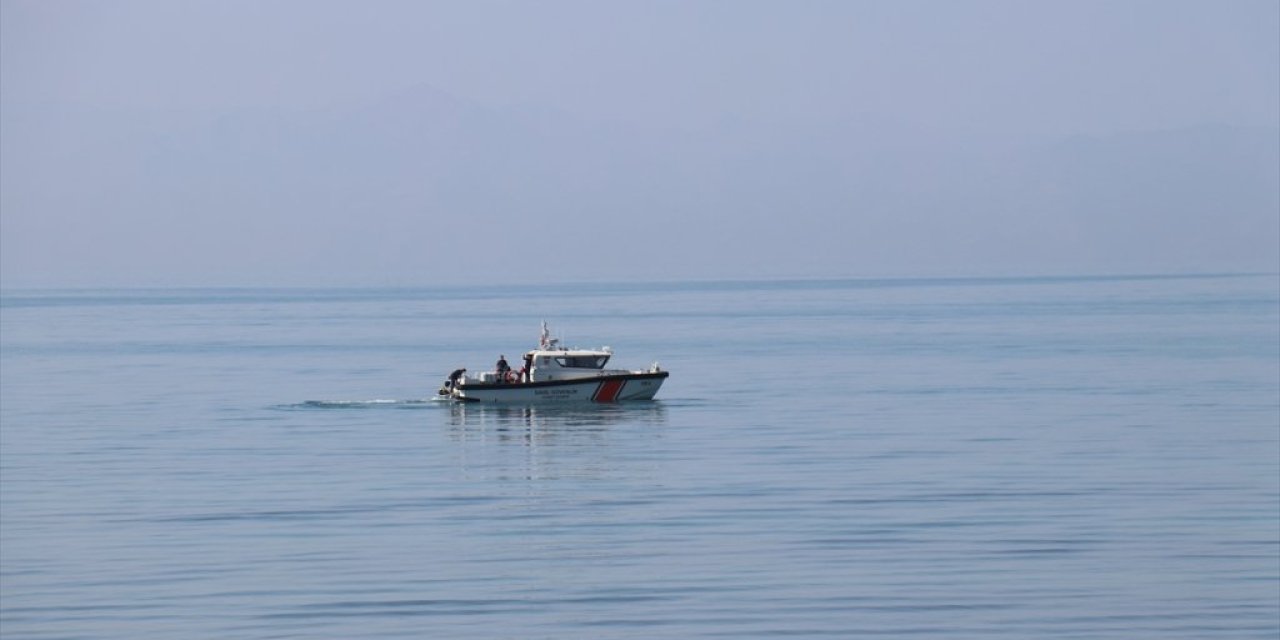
584 441
552 420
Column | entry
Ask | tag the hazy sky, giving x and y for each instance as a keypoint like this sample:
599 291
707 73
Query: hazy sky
317 143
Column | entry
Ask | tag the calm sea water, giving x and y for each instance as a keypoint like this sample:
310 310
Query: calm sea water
1021 458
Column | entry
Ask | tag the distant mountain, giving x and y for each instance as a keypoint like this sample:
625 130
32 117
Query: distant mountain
1198 196
423 179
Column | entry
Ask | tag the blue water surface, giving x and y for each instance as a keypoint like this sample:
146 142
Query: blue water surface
933 458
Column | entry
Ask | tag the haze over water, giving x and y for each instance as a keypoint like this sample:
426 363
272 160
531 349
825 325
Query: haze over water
947 458
316 143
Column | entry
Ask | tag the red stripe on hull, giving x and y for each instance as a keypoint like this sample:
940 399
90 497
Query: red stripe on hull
609 390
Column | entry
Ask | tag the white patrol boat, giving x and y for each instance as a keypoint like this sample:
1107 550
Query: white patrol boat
553 373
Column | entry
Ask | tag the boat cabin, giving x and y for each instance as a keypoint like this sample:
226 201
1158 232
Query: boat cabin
566 364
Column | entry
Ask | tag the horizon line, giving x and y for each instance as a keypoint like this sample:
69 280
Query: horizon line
975 279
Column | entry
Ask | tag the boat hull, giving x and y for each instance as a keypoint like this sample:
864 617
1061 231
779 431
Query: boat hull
602 389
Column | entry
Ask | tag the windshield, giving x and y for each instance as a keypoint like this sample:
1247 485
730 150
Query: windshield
582 362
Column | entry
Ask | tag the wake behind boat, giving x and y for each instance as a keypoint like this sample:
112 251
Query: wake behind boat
554 373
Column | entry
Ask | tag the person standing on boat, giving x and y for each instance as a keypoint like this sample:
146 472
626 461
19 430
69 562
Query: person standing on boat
527 369
503 368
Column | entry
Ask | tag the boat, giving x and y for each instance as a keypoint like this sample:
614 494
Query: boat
555 373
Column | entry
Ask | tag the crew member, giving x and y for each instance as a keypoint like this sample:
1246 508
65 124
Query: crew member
503 368
452 381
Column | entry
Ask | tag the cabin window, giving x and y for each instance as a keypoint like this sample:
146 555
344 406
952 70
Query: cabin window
582 362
